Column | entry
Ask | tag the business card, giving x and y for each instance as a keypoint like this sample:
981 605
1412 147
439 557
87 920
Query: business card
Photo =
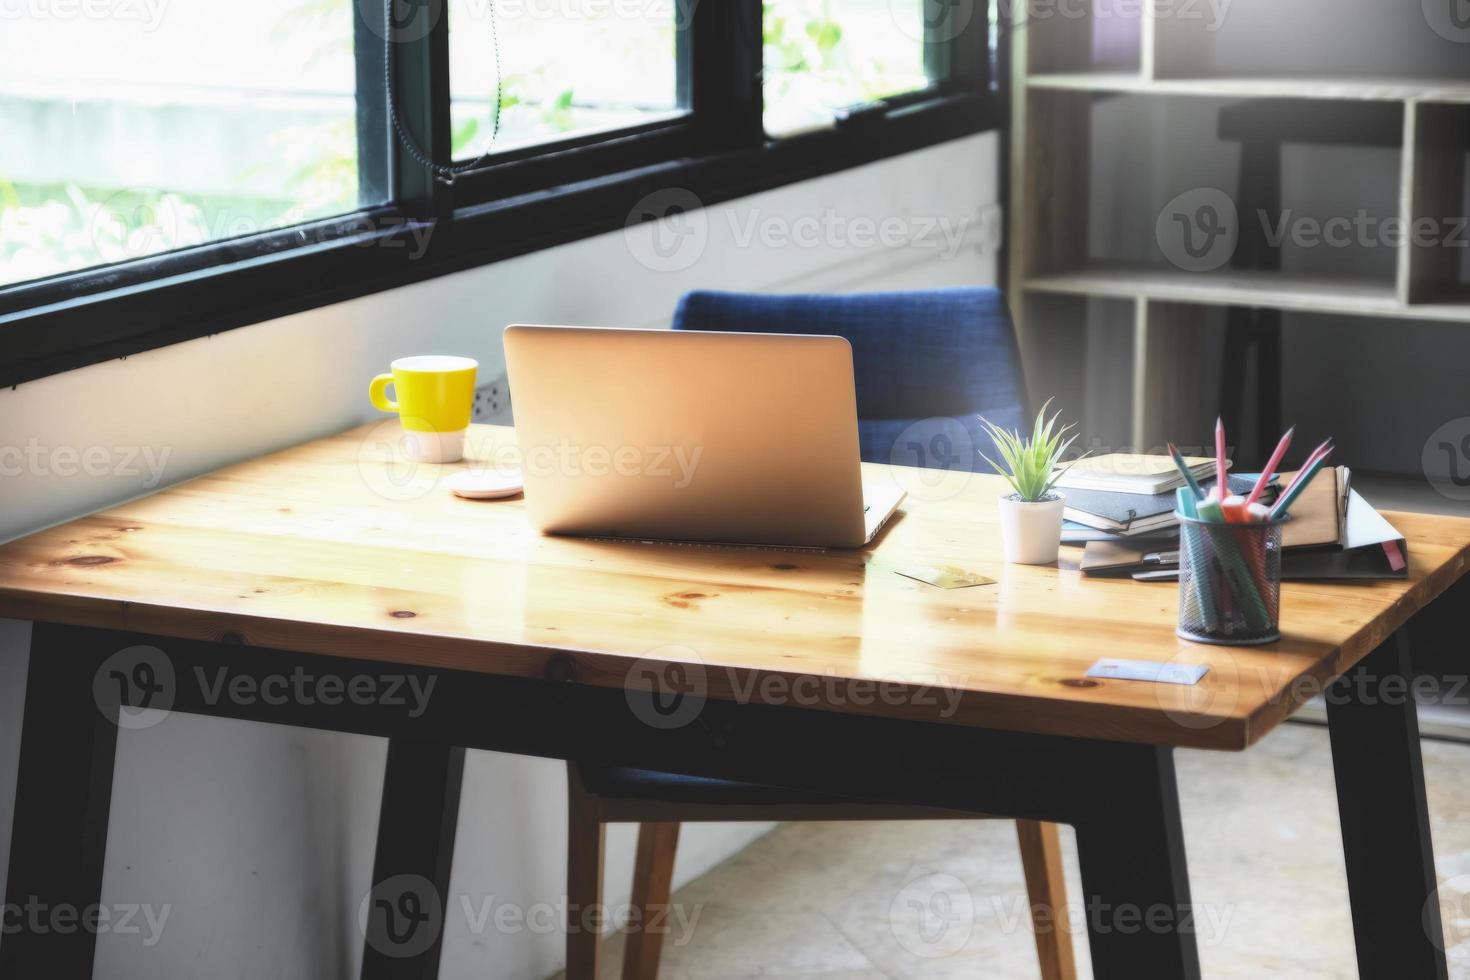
945 576
1148 670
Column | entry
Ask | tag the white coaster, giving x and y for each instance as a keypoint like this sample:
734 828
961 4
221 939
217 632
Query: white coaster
485 484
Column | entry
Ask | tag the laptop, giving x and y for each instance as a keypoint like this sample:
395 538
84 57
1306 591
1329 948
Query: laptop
741 438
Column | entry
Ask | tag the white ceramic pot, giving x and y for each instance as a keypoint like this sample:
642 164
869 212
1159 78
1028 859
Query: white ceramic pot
434 447
1031 530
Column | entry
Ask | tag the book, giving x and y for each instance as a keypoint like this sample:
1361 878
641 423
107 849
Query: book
1130 513
1319 515
1369 547
1074 533
1123 556
1132 473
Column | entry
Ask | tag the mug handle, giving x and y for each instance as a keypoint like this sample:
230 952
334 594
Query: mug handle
377 391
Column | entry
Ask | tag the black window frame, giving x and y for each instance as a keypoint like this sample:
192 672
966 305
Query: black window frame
518 202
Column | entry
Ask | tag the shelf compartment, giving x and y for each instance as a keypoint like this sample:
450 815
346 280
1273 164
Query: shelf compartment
1176 350
1345 88
1305 39
1301 186
1051 170
1235 287
1436 271
1102 36
1078 351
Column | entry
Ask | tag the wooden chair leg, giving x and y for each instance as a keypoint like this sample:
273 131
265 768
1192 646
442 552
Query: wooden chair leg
586 835
1041 859
653 876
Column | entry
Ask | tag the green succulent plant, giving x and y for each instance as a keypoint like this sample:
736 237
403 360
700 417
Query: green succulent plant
1033 466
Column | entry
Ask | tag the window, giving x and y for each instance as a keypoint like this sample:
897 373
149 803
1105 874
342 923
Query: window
565 67
130 129
172 168
822 56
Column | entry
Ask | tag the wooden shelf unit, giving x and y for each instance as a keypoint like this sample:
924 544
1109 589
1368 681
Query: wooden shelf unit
1057 76
1346 89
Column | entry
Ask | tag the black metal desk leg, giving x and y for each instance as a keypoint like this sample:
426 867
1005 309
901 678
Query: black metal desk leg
63 796
406 910
1135 886
1374 726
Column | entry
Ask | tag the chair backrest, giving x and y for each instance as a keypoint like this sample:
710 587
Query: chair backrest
926 363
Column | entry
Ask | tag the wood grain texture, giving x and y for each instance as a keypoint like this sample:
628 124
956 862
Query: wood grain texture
1170 369
653 879
1233 287
1245 287
325 549
1046 890
586 847
1054 180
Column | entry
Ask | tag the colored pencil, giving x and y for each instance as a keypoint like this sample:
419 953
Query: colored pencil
1280 508
1322 450
1270 469
1192 543
1221 485
1235 509
1187 501
1237 572
1185 472
1319 453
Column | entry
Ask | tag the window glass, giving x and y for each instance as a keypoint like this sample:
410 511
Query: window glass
822 55
566 67
131 127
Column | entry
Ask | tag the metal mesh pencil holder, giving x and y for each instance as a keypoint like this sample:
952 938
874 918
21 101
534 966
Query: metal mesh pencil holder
1230 581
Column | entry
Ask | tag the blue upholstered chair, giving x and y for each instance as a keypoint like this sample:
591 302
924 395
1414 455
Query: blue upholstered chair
926 364
941 356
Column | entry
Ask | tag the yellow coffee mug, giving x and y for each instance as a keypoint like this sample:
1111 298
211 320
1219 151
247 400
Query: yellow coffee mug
435 393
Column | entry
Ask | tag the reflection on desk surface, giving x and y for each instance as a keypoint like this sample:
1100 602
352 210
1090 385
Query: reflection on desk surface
328 548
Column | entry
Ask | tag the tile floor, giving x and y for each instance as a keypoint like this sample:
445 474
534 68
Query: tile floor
870 901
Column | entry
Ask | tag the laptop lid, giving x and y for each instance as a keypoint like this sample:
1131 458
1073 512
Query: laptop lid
688 435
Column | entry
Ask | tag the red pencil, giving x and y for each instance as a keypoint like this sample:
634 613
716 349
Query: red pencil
1275 460
1222 487
1321 450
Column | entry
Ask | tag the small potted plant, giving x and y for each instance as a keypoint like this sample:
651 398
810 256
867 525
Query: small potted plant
1031 515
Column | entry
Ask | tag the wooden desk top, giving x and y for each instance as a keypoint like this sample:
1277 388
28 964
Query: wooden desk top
327 549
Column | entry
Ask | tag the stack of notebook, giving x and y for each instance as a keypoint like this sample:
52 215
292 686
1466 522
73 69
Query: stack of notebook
1333 534
1127 495
1133 473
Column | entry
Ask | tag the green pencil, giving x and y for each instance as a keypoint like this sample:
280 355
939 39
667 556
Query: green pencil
1232 563
1199 568
1294 491
1184 471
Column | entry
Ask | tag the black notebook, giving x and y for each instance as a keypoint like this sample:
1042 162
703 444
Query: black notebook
1131 513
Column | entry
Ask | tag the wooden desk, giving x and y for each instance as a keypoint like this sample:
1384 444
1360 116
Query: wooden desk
824 670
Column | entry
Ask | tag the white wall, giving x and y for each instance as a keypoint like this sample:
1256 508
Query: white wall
259 837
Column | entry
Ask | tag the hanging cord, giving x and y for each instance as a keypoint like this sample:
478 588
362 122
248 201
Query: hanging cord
444 173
